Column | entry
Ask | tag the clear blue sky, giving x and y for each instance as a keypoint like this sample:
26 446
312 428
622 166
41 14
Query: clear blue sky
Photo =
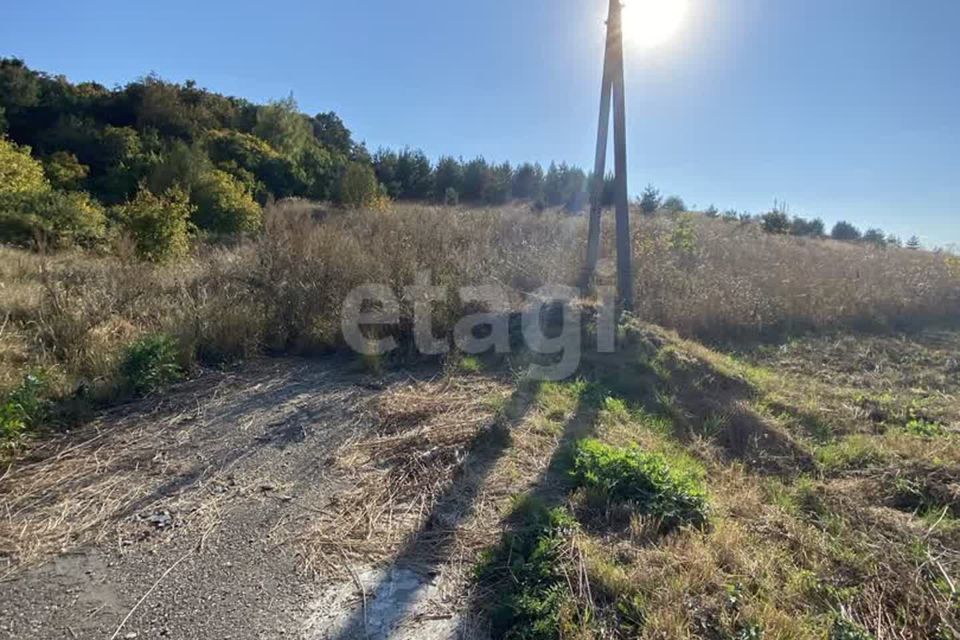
842 108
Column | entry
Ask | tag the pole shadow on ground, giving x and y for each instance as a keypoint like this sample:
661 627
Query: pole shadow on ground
438 531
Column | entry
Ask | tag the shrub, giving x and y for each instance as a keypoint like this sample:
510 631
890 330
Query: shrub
845 231
875 237
656 486
23 408
810 228
19 172
64 170
451 198
674 204
650 200
775 222
359 187
225 205
55 217
159 224
151 364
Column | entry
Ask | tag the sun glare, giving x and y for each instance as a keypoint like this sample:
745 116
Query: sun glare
652 23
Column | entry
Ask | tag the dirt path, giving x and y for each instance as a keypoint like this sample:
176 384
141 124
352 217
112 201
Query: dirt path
183 514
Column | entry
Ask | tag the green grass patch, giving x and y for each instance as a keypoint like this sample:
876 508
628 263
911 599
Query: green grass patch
670 489
854 452
923 428
560 400
529 568
469 364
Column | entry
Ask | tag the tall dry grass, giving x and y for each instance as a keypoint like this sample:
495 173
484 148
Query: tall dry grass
709 278
73 314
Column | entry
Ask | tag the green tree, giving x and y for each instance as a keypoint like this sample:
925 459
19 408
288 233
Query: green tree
876 237
183 165
528 182
320 169
846 232
563 185
358 186
329 130
499 185
159 225
64 171
674 204
810 228
54 218
447 175
281 124
385 166
19 172
224 205
124 158
160 105
274 173
415 175
650 200
775 222
19 93
914 243
476 180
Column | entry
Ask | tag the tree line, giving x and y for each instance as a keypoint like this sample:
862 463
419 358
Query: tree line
160 161
779 222
161 158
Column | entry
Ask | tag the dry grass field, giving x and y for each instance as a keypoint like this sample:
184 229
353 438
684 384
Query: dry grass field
73 315
773 452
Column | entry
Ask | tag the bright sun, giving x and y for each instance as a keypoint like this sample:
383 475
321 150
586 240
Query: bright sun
651 23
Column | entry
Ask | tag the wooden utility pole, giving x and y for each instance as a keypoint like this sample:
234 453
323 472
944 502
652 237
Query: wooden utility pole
612 88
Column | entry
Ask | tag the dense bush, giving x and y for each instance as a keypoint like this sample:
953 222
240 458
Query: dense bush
845 231
64 170
19 172
224 205
151 364
674 204
810 228
775 222
52 218
654 485
359 187
875 237
158 225
650 201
